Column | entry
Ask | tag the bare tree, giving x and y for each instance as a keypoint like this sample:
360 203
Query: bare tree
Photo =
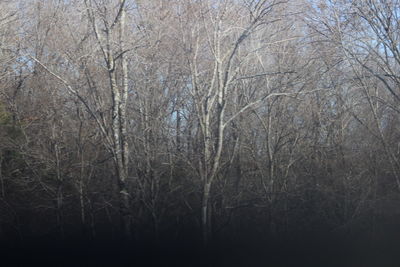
212 82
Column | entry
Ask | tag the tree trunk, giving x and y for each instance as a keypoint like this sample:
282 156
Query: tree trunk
59 210
205 213
123 128
3 192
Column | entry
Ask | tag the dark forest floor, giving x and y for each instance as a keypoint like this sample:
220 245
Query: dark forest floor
316 251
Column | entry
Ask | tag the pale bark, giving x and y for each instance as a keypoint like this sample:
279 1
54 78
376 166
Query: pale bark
211 102
119 94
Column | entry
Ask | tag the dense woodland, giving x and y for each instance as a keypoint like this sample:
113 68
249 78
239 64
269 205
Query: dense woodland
201 120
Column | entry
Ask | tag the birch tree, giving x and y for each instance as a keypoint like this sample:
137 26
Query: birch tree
222 29
110 34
